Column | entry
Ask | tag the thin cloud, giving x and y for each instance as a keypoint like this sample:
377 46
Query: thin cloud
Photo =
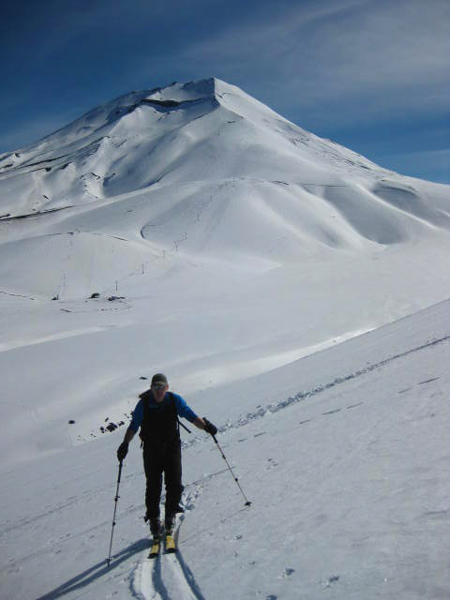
428 163
55 25
392 54
32 129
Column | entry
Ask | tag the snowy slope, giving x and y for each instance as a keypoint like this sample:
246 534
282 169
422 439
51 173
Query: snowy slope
265 270
344 457
232 241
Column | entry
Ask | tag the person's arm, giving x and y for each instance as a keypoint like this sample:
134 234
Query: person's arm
129 435
136 421
122 450
205 425
200 423
186 411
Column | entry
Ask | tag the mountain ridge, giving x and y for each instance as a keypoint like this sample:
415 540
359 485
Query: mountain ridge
80 160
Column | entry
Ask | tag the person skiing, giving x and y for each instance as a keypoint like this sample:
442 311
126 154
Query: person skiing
157 414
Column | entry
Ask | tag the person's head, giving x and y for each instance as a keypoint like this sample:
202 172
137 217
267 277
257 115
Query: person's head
159 386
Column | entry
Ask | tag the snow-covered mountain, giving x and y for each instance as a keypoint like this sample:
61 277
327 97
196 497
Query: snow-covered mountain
205 169
192 230
231 238
201 131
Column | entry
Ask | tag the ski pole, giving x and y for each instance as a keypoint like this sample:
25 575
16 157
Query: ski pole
183 426
108 560
247 501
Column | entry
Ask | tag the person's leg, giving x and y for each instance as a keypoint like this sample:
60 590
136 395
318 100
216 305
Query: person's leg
153 467
174 487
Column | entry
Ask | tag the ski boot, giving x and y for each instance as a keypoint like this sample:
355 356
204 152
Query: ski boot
169 523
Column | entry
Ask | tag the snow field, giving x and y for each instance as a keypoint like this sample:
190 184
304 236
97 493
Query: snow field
348 489
345 494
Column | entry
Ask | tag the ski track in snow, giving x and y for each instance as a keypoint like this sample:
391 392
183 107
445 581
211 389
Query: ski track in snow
302 395
167 577
273 408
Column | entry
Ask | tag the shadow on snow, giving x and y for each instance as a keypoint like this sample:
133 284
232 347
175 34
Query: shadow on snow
95 572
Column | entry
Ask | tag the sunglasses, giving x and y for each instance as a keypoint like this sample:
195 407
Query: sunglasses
159 386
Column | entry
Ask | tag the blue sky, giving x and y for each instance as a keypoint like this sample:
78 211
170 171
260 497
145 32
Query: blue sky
373 75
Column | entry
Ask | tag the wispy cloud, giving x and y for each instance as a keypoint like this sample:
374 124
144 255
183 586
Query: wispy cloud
48 27
30 129
381 55
429 164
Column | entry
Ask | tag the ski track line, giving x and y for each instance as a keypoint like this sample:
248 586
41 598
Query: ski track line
273 408
166 577
141 583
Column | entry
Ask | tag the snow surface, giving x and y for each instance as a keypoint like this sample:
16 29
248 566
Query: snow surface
294 292
347 476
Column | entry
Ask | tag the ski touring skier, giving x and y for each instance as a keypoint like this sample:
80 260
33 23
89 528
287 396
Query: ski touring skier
156 414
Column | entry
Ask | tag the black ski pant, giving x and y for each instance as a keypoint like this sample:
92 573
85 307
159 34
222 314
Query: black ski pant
162 459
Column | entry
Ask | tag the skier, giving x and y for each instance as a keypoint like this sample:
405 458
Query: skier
156 414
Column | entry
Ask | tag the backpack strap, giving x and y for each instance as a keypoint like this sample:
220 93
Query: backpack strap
179 423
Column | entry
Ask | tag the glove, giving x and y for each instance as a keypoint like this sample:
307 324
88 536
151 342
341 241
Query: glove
122 451
209 427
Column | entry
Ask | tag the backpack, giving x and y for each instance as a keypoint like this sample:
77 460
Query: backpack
160 423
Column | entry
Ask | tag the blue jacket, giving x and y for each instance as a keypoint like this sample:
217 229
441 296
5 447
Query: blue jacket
183 410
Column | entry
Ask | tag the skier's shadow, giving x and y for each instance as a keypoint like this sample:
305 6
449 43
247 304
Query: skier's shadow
95 572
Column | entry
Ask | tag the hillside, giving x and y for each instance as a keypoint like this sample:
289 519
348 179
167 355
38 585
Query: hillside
221 241
343 455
